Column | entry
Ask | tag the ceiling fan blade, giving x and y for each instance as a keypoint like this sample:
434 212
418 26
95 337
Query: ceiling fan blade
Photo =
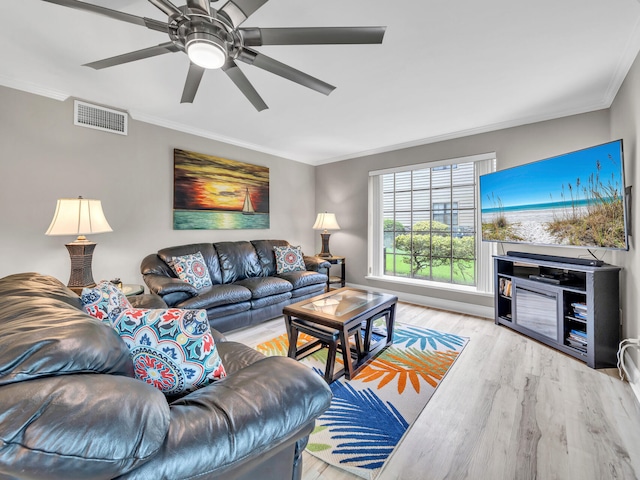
285 71
192 83
237 11
242 82
167 47
124 17
255 37
167 7
201 6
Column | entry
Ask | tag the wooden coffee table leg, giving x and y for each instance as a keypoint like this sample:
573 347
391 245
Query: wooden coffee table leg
360 349
346 353
292 334
391 317
367 334
331 362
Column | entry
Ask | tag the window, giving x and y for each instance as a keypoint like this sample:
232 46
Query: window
424 224
443 213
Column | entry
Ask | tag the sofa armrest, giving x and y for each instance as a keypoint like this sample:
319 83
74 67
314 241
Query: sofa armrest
315 264
161 285
147 300
247 416
89 426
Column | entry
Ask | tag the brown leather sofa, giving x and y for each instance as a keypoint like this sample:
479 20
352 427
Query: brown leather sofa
72 408
246 286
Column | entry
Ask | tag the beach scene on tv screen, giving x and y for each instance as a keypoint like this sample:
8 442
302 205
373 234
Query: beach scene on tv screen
576 199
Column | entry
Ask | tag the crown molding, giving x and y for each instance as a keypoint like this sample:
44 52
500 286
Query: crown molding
180 127
616 81
472 131
33 88
625 62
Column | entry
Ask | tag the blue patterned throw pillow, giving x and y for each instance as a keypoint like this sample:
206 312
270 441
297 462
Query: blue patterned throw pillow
172 349
105 302
192 269
289 259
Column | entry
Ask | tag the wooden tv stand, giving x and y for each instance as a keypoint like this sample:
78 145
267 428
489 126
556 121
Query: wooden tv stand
572 308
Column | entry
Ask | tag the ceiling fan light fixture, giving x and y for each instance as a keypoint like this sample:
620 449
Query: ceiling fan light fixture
205 50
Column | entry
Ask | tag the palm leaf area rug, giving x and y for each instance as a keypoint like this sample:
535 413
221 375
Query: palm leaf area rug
370 414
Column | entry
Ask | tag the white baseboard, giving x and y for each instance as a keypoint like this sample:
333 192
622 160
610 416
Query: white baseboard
633 374
442 304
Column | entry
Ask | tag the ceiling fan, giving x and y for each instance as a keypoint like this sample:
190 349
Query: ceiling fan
213 39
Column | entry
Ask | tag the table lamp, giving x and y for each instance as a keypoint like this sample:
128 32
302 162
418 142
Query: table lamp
79 216
326 221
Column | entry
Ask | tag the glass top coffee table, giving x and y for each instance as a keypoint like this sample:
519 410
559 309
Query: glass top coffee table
332 318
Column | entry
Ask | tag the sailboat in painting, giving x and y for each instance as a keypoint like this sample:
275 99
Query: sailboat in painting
247 208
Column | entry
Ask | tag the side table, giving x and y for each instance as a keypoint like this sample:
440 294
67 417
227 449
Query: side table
131 290
333 279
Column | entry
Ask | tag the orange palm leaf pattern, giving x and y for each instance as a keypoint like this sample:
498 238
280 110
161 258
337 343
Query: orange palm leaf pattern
370 413
408 366
279 346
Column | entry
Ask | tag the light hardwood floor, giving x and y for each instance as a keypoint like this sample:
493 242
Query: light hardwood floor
510 408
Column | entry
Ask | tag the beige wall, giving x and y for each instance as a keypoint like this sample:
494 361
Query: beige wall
625 123
45 157
342 188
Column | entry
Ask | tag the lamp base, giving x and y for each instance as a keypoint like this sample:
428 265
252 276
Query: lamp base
325 246
81 253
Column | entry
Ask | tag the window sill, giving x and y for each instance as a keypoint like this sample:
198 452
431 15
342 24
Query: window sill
450 287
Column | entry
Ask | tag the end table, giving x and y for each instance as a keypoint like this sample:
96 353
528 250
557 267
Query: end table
333 279
131 290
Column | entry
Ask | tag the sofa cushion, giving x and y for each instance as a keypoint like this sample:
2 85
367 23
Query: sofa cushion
303 279
147 300
192 269
82 426
207 251
237 356
40 331
265 286
264 249
174 299
238 260
105 301
254 412
270 300
224 310
172 349
31 284
315 289
289 259
216 296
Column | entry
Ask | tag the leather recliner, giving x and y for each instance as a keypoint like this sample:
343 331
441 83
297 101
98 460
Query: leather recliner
246 286
71 407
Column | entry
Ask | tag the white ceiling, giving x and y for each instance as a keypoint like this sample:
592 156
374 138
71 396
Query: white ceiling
446 68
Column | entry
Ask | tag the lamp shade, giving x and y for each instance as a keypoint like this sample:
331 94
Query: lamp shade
326 221
78 216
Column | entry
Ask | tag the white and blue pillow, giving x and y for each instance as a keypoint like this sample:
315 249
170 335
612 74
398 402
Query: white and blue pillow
192 269
172 349
105 301
289 259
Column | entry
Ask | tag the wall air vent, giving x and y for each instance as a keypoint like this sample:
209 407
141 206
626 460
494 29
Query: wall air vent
100 118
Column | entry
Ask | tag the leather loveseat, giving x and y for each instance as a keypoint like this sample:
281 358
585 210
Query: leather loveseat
72 408
246 286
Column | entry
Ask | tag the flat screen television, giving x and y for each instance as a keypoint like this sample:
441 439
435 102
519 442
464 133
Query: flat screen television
572 200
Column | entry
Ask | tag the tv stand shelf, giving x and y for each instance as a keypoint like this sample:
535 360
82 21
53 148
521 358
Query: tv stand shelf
572 308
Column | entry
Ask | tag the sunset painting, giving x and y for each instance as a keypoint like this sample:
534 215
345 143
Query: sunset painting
213 193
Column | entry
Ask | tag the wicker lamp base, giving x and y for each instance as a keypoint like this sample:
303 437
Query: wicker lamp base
81 253
325 246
